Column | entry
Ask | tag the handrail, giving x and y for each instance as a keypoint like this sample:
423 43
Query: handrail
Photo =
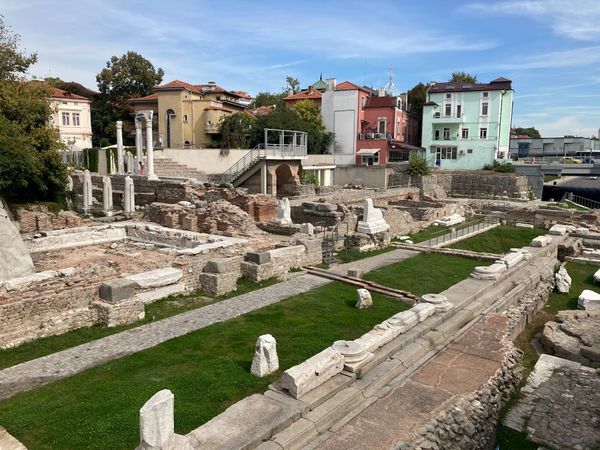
582 201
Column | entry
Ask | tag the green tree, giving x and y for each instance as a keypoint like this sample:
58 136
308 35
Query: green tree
463 77
292 83
268 99
236 130
417 165
531 132
30 166
125 77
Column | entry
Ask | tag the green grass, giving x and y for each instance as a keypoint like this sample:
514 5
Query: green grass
567 204
509 439
161 309
549 178
207 370
433 231
499 240
425 273
347 256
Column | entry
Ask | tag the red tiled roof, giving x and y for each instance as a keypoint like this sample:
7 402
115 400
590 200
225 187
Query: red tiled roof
261 111
178 84
59 93
243 94
381 102
305 95
217 108
347 86
498 84
147 98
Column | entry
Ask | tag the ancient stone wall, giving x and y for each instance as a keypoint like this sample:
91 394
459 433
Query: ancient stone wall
37 217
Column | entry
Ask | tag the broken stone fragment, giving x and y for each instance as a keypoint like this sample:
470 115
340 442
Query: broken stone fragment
265 360
563 280
364 299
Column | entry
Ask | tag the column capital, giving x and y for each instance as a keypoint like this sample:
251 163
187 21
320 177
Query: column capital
119 124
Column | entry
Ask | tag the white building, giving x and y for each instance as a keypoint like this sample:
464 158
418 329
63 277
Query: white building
71 115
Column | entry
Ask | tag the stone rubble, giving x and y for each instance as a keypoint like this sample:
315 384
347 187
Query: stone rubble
265 360
364 299
563 280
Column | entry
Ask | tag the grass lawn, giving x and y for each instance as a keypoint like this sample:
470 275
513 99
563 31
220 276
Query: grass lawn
567 204
161 309
207 370
425 273
549 178
346 256
500 239
581 278
433 231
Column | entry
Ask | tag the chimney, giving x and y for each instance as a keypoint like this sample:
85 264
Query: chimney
212 83
381 92
311 89
330 84
290 92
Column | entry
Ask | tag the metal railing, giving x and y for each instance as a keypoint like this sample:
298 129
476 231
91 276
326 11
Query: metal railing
582 201
465 230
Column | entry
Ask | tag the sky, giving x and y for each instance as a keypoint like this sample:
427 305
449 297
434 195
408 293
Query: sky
550 49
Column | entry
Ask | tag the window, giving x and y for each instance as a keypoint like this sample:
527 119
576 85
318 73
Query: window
437 135
465 133
65 118
75 119
483 133
458 110
448 111
370 160
485 94
363 103
381 126
445 152
446 134
448 95
484 109
185 118
469 151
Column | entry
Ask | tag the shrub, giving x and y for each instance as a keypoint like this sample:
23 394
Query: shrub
417 165
310 178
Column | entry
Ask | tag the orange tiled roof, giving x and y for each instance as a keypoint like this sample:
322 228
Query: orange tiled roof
147 98
59 93
305 95
243 94
347 86
261 111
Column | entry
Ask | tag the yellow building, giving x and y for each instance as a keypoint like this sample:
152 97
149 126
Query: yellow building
188 115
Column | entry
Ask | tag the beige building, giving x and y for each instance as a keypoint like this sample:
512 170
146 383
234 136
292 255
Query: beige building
188 115
71 115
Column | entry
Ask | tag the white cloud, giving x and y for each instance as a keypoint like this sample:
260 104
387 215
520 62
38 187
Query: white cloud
576 19
568 125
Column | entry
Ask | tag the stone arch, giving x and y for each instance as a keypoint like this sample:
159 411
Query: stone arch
286 181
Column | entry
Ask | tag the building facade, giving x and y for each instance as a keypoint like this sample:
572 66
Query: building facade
388 131
188 115
71 115
467 126
526 147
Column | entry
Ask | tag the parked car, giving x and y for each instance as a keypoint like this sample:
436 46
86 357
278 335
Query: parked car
569 160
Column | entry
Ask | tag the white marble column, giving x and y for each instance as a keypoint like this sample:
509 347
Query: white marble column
120 160
107 199
87 191
128 196
149 149
139 145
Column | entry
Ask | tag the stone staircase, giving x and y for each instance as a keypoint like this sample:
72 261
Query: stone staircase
166 167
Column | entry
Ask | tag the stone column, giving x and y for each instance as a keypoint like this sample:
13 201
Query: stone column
107 200
120 160
87 191
139 144
157 422
149 149
130 163
128 196
69 186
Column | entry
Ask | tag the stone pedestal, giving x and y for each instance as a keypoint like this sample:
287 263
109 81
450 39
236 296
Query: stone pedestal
120 313
373 221
283 212
128 196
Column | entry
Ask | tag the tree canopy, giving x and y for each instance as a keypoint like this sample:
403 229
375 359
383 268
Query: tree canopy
463 77
531 132
125 77
30 166
292 83
268 99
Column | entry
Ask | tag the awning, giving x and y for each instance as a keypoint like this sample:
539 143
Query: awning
368 151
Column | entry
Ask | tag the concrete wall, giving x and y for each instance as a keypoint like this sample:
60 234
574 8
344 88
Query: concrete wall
339 110
207 160
535 177
369 176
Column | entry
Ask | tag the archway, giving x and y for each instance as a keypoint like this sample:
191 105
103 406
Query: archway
286 181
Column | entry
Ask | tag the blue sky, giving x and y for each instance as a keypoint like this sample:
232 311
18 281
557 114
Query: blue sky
549 48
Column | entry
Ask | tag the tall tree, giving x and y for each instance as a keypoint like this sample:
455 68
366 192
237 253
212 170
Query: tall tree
125 77
463 77
292 83
30 166
236 130
268 99
417 97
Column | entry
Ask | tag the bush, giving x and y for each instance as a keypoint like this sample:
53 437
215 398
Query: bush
310 178
417 165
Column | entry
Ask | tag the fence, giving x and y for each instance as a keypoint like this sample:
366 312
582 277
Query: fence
466 229
582 201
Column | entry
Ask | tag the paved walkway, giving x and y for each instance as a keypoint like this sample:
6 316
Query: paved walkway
44 370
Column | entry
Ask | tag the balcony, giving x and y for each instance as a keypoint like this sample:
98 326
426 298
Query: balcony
452 118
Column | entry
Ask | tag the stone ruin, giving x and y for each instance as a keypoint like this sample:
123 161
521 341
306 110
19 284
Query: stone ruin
15 259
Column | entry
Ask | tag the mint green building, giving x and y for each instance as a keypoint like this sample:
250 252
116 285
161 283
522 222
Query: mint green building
466 126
